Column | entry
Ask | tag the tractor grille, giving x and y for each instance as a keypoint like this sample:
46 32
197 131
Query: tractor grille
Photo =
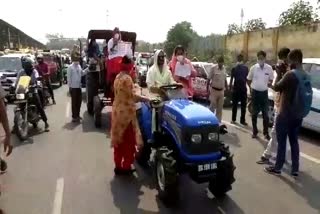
205 146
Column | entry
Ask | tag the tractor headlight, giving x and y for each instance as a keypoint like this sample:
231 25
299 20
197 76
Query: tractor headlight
196 138
214 136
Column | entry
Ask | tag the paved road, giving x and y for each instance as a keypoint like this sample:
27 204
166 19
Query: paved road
70 171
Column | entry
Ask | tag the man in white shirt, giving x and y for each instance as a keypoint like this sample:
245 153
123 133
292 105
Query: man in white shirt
260 78
74 74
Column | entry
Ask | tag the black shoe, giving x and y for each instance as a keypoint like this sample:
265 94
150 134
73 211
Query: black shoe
244 123
254 136
118 171
3 166
46 127
295 174
128 171
54 102
233 122
267 137
263 160
272 170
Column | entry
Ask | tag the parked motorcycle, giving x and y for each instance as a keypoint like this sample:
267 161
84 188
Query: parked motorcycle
25 112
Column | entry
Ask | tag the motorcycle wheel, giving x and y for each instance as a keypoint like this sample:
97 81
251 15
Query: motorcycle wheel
21 126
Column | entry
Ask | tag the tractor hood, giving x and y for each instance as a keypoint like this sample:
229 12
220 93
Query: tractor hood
188 113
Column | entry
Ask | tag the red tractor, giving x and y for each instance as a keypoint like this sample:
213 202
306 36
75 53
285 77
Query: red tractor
99 77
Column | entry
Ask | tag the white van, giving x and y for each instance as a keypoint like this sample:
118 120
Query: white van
312 121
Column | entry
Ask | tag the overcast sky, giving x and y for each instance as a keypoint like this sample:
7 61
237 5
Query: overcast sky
150 19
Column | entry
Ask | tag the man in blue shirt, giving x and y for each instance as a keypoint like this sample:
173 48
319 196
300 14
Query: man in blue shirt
239 74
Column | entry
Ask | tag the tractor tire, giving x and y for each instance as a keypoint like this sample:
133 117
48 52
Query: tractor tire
97 111
92 85
221 183
166 176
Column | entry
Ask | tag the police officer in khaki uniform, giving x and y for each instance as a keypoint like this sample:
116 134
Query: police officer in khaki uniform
217 83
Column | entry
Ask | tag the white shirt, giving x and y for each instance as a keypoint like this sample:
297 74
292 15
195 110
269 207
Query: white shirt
260 77
74 74
112 53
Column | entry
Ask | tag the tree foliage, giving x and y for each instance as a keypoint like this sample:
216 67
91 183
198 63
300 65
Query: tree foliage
180 34
299 13
255 24
234 29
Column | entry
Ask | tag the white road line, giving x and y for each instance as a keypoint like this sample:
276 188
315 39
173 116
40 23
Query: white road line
68 107
308 157
57 204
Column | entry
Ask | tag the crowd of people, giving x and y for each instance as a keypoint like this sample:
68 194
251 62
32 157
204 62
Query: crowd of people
291 101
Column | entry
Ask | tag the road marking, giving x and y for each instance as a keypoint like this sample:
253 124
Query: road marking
68 109
308 157
57 204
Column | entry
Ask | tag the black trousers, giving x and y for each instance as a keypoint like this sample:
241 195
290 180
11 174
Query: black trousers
37 102
260 103
76 100
48 84
239 96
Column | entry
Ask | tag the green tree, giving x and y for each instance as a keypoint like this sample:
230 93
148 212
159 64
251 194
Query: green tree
234 29
255 24
180 34
299 13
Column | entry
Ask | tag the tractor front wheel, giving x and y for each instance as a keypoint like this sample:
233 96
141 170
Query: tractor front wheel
166 176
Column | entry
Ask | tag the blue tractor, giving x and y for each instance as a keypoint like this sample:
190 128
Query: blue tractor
184 139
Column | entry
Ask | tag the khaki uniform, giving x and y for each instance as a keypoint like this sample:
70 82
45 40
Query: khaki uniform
217 78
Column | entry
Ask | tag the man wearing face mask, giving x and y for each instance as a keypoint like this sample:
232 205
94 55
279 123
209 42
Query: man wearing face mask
281 67
260 77
217 81
28 70
43 70
74 74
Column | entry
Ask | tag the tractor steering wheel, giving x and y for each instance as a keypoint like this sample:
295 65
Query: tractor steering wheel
171 87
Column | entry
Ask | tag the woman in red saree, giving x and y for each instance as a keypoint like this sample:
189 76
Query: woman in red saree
182 69
125 132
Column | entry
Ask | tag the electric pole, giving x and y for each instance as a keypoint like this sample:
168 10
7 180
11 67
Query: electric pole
242 15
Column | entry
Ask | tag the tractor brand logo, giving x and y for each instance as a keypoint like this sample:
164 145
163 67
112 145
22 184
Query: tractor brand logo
169 115
204 122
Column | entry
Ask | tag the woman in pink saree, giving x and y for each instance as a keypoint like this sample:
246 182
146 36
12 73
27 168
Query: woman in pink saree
182 69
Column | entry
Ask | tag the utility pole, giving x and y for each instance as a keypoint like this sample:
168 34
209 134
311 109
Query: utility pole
107 16
242 15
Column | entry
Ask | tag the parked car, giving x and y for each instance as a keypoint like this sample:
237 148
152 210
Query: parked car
10 65
199 83
142 66
312 120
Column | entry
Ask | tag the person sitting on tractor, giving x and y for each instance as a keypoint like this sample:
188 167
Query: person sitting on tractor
93 50
28 70
159 74
182 69
113 61
43 70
